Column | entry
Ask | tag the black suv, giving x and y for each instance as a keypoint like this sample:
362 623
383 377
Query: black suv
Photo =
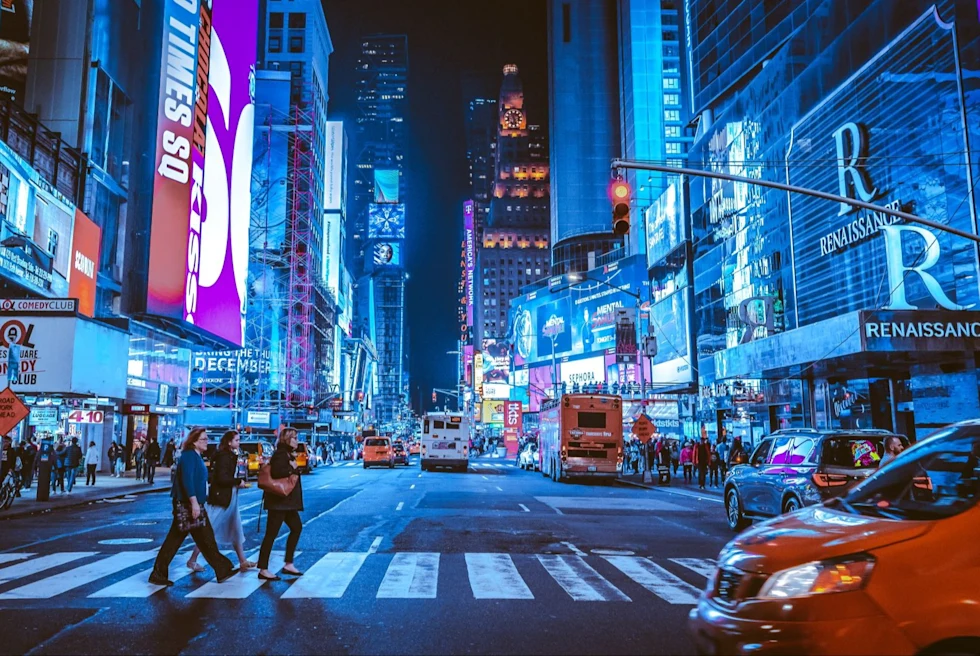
799 467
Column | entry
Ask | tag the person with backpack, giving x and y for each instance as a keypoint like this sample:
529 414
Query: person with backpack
73 458
58 476
714 464
113 455
151 457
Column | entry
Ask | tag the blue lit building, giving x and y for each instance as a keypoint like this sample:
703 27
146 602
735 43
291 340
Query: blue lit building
811 313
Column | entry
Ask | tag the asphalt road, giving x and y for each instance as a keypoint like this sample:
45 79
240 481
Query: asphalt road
493 561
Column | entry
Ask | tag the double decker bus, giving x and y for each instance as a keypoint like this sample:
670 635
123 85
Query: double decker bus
582 435
445 441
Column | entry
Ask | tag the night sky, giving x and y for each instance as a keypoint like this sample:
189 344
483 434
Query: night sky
447 39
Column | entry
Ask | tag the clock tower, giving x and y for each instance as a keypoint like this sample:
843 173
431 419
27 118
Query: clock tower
513 119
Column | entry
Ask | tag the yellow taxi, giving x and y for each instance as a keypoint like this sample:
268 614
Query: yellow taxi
255 454
414 448
892 567
378 452
304 459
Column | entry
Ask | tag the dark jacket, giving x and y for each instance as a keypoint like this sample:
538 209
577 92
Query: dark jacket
223 479
74 456
60 453
192 478
280 467
152 452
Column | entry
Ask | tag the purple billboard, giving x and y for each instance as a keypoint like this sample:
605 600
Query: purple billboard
470 234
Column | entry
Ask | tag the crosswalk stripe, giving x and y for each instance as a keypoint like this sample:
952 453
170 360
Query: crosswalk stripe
40 564
11 557
53 586
411 576
138 586
328 578
656 579
494 576
351 464
242 584
703 566
580 581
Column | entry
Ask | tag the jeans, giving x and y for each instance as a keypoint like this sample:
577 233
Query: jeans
139 469
71 473
58 479
275 522
702 475
28 474
203 538
688 473
119 467
713 470
90 474
150 470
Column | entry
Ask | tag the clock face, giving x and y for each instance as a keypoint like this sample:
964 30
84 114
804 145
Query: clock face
513 118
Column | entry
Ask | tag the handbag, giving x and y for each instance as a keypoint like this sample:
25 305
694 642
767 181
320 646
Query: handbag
182 511
278 487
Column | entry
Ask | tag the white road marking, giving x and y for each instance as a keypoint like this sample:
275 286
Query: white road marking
610 503
138 586
251 505
420 475
613 552
412 486
494 576
324 487
241 585
53 586
484 477
124 541
524 508
580 581
692 495
328 578
40 564
499 488
656 579
401 504
703 566
351 464
411 576
354 475
11 557
374 545
575 550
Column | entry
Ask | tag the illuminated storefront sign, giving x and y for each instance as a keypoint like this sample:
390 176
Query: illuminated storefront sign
469 231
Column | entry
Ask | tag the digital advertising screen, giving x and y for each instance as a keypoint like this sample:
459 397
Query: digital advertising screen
469 233
15 43
385 185
202 187
386 221
86 242
387 253
335 171
496 361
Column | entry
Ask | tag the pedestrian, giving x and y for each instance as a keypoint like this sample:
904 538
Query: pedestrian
714 464
702 459
189 492
737 455
168 453
28 452
893 447
92 460
675 455
73 459
723 450
222 507
151 457
58 480
8 457
112 454
283 510
138 454
685 460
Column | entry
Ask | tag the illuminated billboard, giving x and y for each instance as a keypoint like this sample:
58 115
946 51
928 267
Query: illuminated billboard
387 254
496 361
335 168
85 243
470 236
332 251
15 42
385 185
203 165
386 221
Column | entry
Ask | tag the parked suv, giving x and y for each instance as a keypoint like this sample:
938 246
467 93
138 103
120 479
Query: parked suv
798 467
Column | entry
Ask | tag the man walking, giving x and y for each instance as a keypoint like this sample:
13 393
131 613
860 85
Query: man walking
27 453
151 456
702 459
73 458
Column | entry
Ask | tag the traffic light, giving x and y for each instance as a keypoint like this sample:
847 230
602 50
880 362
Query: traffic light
619 193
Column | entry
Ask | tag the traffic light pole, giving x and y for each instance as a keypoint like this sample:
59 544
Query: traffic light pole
619 165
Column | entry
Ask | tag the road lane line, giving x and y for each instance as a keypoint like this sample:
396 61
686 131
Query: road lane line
575 550
420 475
499 488
656 579
138 586
484 477
11 557
411 576
242 584
36 565
374 545
412 486
324 487
328 578
351 464
354 475
251 505
524 508
401 504
703 566
494 576
579 579
53 586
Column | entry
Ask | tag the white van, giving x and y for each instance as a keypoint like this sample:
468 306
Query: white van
445 441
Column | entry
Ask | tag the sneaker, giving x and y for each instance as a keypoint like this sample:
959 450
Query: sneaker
159 580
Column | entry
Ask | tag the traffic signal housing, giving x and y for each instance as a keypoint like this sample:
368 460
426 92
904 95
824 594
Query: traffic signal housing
619 193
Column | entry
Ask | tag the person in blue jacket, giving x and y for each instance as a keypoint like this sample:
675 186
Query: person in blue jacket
191 487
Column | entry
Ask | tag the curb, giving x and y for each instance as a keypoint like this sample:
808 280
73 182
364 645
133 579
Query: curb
700 494
14 513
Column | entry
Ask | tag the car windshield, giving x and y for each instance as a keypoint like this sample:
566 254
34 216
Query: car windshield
301 447
852 451
249 447
938 478
376 442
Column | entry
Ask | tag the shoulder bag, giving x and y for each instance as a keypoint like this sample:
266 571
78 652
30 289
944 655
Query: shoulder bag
182 510
277 487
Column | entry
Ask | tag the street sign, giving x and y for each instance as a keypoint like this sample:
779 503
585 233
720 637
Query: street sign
12 411
86 417
643 428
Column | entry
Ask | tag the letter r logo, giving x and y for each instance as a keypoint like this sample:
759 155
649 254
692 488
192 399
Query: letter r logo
852 153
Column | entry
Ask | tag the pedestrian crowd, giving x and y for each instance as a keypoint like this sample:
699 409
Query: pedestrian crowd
708 461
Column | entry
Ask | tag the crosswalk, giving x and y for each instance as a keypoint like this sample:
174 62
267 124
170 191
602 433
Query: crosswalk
407 575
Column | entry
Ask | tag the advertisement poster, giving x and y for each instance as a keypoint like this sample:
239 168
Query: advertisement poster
541 384
335 175
85 244
385 185
387 254
386 221
493 412
553 328
512 426
470 237
15 42
589 371
496 361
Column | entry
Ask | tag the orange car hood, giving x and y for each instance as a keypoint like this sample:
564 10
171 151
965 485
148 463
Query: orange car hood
815 533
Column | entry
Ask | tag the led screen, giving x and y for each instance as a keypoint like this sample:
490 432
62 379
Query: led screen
202 186
386 221
385 185
85 243
470 235
15 42
387 254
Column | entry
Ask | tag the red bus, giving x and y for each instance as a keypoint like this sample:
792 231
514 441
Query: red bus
582 435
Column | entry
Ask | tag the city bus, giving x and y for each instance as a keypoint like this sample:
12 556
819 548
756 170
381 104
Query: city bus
445 441
582 435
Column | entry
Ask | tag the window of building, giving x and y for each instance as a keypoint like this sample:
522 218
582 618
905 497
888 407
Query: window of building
672 99
53 242
296 44
276 20
679 163
672 131
275 44
671 83
672 115
297 21
673 148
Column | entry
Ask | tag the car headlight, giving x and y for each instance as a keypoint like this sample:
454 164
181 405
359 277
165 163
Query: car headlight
820 577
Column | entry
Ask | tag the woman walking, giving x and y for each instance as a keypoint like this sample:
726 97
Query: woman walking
189 492
92 458
222 508
283 510
687 462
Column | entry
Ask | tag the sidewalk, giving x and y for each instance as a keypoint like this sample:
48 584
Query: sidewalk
106 487
676 484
